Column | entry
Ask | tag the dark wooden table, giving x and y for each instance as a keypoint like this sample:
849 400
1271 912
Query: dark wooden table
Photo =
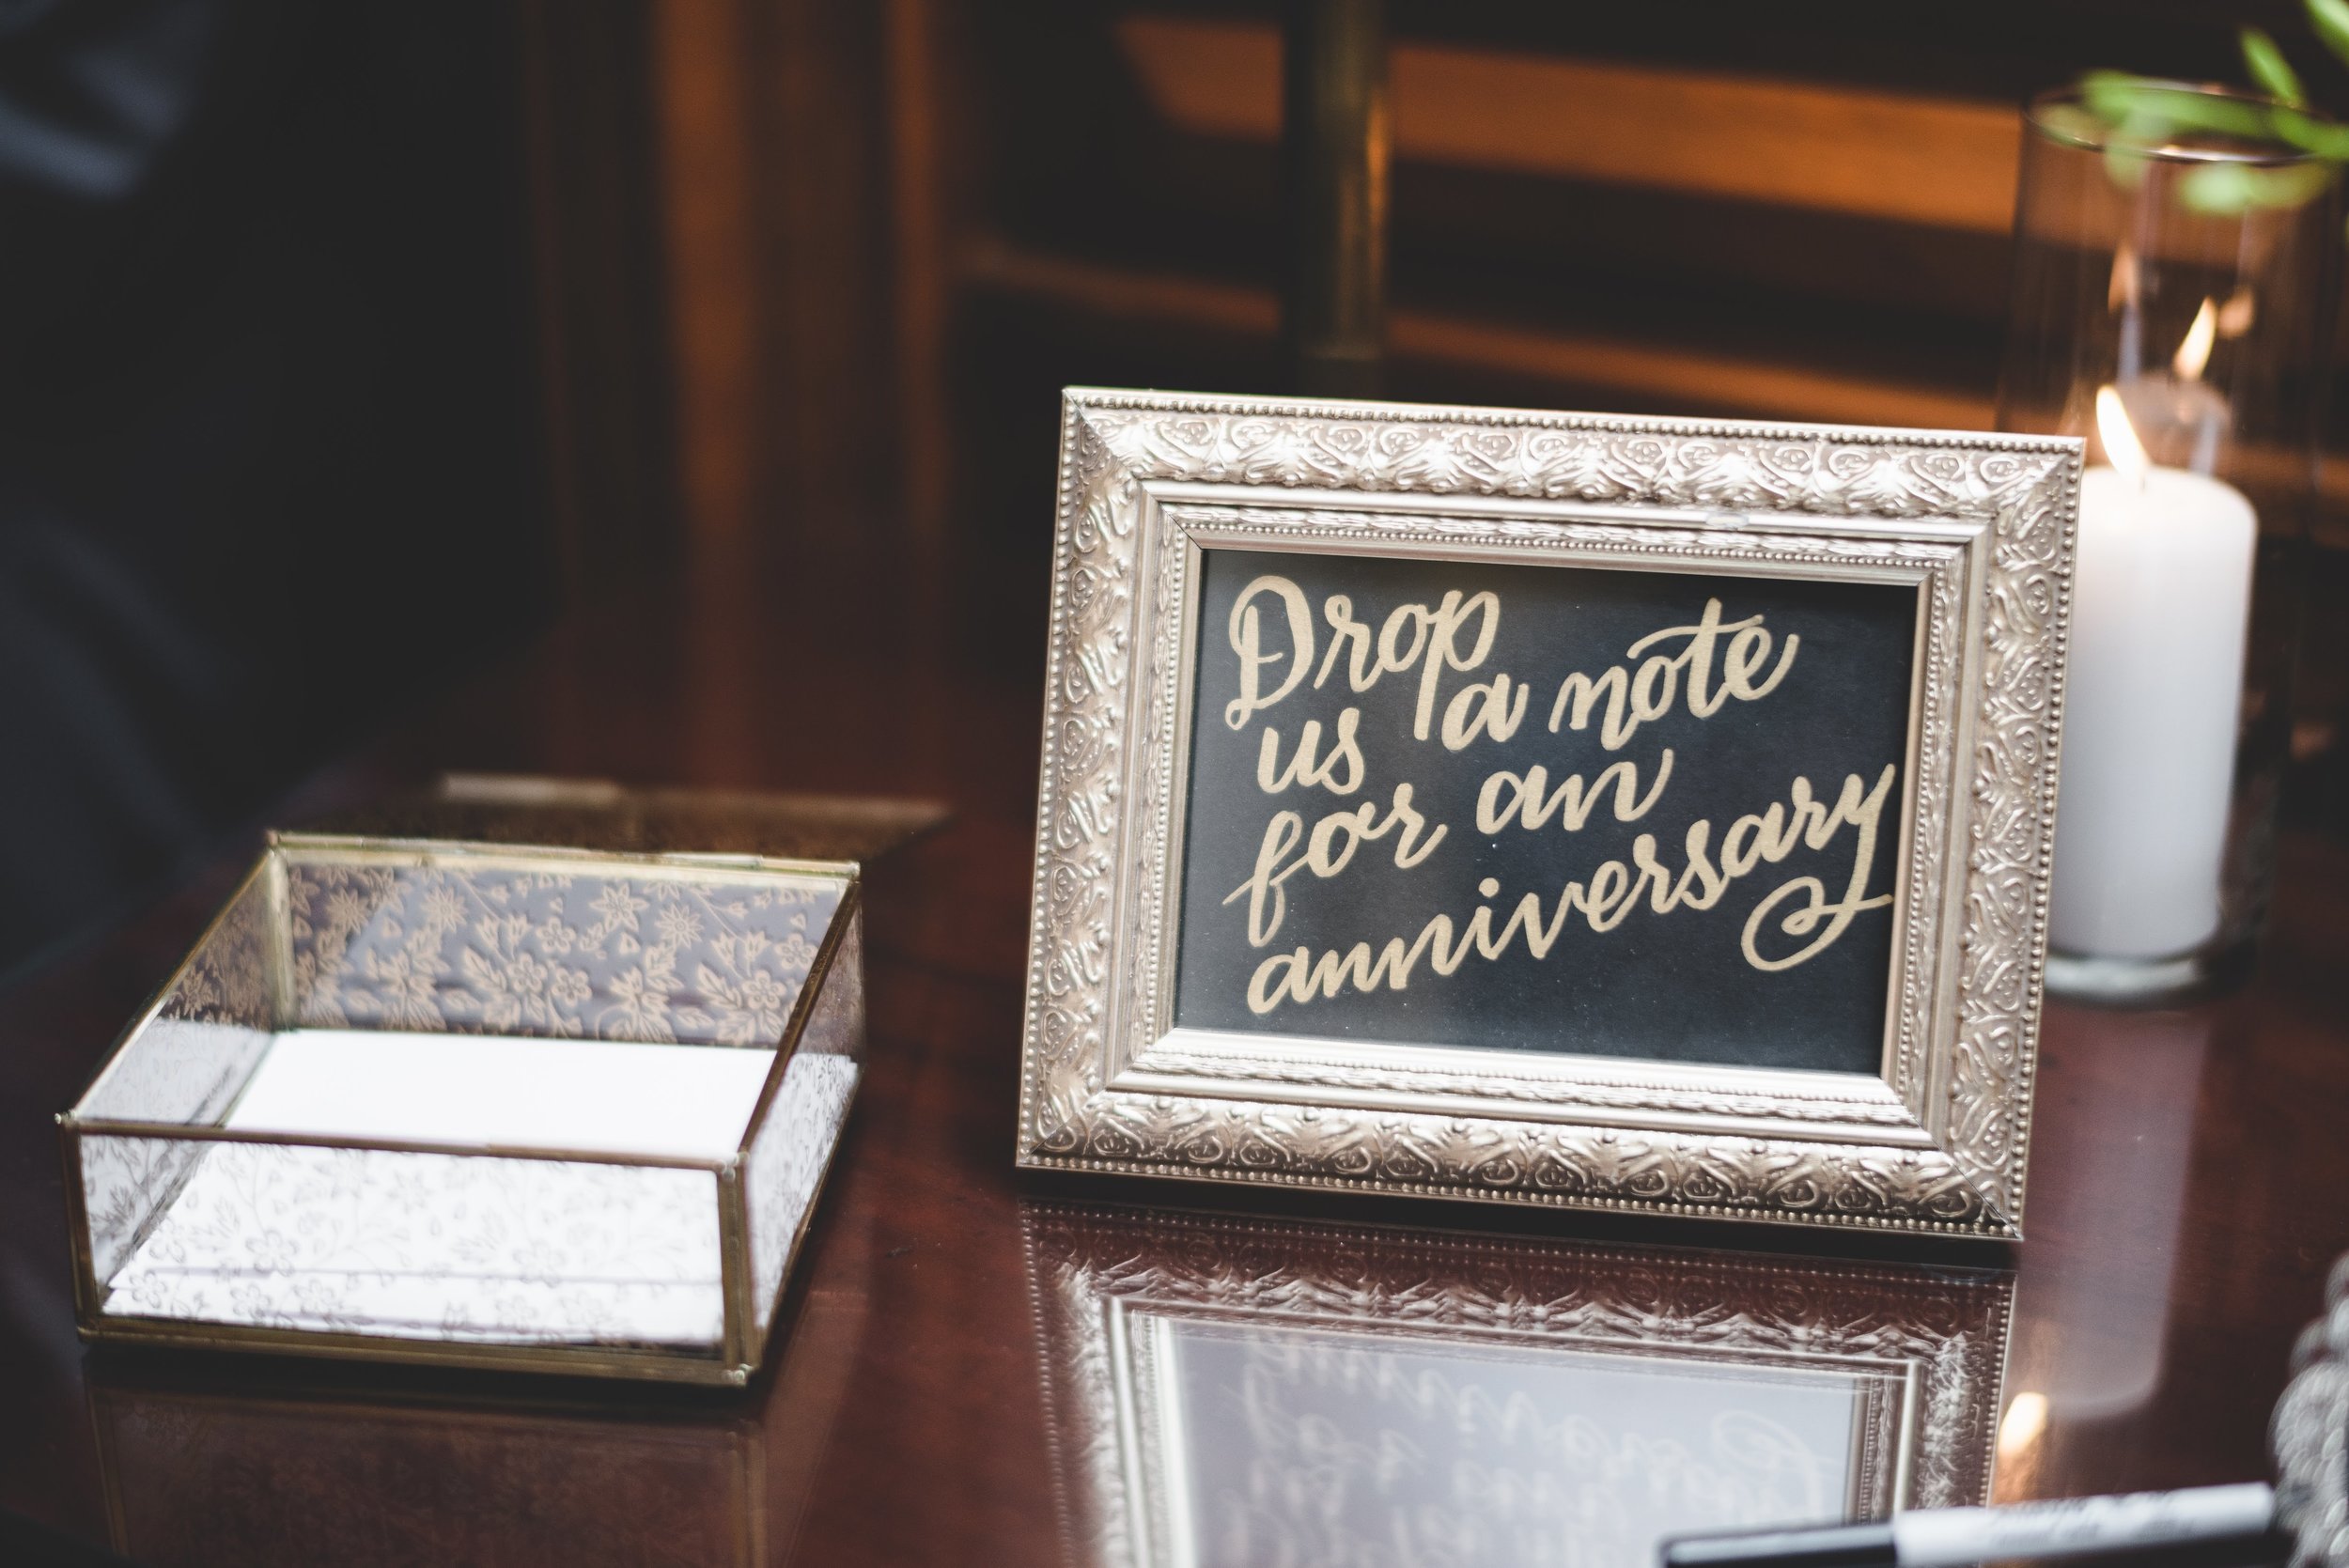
2189 1182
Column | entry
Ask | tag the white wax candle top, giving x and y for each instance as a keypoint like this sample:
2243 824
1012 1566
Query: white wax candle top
594 1096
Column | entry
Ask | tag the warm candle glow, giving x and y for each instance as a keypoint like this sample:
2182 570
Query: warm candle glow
2121 447
2026 1418
2121 288
2194 353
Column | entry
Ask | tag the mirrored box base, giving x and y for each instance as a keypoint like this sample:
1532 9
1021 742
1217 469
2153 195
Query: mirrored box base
477 1104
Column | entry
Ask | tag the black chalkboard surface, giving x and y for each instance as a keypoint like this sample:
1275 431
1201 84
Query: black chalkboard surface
1717 808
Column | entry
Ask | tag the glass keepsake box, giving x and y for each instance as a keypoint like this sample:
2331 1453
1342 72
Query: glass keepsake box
426 1100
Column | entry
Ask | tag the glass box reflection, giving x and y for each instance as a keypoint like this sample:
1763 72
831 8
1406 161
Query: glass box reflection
1231 1393
217 1464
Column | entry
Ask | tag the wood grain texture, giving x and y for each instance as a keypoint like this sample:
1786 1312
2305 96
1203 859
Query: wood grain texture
1603 366
1945 162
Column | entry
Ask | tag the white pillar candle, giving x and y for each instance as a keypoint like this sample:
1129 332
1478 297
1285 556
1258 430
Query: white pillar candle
2161 600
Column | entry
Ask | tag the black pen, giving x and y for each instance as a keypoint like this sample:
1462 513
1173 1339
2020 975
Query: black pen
1953 1537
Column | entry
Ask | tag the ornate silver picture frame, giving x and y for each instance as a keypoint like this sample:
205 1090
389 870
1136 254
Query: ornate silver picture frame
1931 1137
1225 1391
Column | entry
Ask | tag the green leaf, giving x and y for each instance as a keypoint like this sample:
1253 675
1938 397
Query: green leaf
2154 111
2218 189
2126 169
2295 184
2073 122
2224 190
2227 116
2111 93
2270 69
2311 135
2330 18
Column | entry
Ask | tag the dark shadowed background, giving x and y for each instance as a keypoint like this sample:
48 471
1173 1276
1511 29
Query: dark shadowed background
342 345
269 452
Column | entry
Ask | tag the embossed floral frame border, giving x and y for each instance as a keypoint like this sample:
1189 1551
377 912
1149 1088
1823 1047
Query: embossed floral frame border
1929 1346
1981 525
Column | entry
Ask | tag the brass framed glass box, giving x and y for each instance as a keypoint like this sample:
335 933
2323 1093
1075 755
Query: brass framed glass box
468 1103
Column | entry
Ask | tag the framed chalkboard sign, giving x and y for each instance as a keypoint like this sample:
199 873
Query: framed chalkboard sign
1548 808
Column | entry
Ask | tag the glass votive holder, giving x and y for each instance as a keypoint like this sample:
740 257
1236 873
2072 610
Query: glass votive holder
2172 267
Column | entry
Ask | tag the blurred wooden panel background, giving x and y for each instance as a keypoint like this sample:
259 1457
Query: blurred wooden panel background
831 308
1919 159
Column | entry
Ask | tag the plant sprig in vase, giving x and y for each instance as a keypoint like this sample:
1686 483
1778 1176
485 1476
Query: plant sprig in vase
2133 112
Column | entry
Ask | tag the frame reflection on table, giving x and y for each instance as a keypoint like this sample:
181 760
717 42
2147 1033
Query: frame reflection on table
1234 1392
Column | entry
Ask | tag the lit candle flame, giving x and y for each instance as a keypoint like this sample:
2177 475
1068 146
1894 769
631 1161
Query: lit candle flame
2121 288
2236 315
2026 1420
2122 448
2194 353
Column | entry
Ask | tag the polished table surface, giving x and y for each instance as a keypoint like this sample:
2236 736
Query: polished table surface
2189 1187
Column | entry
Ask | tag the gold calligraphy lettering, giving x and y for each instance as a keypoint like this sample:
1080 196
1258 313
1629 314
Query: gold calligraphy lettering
1245 632
1612 891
